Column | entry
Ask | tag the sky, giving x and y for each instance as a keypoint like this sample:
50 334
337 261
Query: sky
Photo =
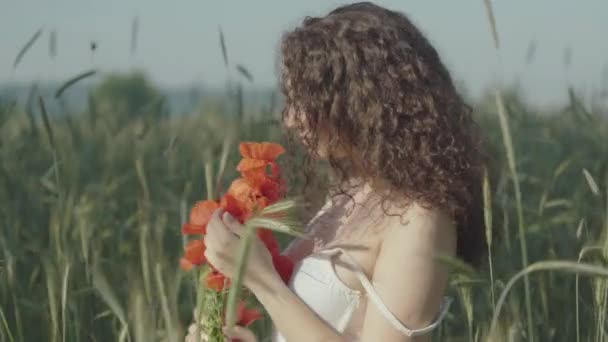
178 42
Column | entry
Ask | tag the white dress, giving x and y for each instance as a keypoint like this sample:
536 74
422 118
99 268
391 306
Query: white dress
316 283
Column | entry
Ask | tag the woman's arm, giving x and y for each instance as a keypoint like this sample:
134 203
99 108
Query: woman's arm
294 319
407 277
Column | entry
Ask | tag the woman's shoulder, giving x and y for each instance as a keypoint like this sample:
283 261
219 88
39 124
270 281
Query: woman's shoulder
432 229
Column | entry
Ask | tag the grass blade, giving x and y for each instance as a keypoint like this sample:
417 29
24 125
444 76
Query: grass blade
64 300
223 46
563 266
47 123
237 281
244 72
53 44
223 160
101 284
50 274
26 47
73 80
141 177
281 226
581 255
5 325
209 177
282 206
487 206
531 52
487 209
457 265
591 182
579 228
508 144
164 304
492 20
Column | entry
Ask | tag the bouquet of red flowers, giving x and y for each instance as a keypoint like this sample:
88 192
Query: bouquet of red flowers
256 199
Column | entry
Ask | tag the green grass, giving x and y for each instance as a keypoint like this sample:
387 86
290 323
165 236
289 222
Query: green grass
93 203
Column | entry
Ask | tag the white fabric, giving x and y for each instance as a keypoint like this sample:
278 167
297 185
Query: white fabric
316 283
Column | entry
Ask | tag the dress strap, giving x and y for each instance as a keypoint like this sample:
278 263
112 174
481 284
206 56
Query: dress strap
375 298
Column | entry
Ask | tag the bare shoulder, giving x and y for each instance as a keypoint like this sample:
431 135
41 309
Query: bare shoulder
407 275
422 230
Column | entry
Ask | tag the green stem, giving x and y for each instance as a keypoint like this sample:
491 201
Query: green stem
491 278
5 324
581 255
237 281
209 180
566 266
506 134
200 300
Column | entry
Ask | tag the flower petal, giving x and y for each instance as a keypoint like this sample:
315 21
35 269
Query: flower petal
246 316
271 190
248 197
261 150
242 190
216 281
269 241
236 209
284 267
249 164
193 229
202 211
185 265
194 253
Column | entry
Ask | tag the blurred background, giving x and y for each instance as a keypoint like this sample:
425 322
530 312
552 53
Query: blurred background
113 113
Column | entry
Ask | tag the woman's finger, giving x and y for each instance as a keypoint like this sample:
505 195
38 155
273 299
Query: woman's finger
217 232
233 225
241 333
215 221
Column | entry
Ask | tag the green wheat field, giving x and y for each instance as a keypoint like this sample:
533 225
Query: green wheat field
92 201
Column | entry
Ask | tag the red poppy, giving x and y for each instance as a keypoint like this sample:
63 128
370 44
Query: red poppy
259 186
194 255
199 217
236 209
217 281
246 316
257 157
266 151
272 190
284 267
248 196
269 241
259 174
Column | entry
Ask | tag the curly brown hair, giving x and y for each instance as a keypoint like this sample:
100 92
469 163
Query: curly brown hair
367 83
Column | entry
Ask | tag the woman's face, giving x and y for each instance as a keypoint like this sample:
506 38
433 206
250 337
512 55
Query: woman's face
297 122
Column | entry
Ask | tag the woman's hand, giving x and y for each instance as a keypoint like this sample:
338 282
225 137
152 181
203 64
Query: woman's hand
223 242
195 331
196 334
239 333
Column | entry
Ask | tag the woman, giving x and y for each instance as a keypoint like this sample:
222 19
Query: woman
367 92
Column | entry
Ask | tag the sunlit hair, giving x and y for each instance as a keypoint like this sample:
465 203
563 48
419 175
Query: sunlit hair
365 83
